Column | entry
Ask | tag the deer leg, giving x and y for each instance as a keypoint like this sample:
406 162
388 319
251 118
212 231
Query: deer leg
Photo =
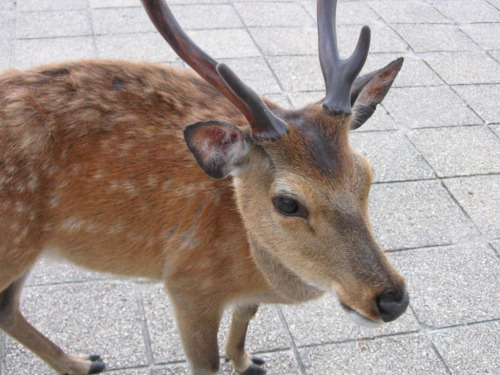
14 324
198 325
243 362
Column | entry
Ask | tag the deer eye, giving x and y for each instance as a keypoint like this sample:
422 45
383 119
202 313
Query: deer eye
286 206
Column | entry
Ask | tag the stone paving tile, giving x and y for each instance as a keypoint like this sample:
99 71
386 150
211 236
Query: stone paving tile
206 16
423 107
495 55
393 355
145 46
43 5
381 149
116 3
455 67
480 198
256 73
142 371
468 11
452 285
459 151
383 39
94 317
5 48
479 97
53 24
468 350
348 13
224 44
121 20
416 214
324 321
435 38
408 12
31 52
268 14
298 73
276 41
7 23
485 34
496 246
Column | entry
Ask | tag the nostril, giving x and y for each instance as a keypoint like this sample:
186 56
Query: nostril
392 305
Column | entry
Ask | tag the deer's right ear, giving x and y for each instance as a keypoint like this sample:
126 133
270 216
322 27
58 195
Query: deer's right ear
219 148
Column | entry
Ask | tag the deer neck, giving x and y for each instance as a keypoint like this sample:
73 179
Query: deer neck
283 281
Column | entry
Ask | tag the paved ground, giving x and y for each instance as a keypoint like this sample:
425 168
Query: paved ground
435 203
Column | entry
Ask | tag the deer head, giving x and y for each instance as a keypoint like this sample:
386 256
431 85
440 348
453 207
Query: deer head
302 191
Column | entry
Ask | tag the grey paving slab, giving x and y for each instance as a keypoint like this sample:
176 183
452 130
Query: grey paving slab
7 23
348 13
459 151
468 350
144 46
298 73
5 54
180 369
121 20
484 34
468 11
53 24
115 3
276 41
277 363
31 52
56 271
393 355
452 285
220 43
408 12
95 317
424 107
435 38
206 16
256 73
258 13
481 98
383 39
496 246
142 371
381 149
301 99
324 321
480 197
416 214
42 5
495 55
454 67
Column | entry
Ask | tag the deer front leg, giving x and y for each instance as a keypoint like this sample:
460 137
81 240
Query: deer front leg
243 362
198 324
14 324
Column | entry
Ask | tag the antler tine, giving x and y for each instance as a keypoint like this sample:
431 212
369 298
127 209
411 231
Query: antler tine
339 75
264 124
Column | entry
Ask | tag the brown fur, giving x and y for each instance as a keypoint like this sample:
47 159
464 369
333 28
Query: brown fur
93 164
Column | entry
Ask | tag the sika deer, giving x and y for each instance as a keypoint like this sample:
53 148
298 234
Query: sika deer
94 165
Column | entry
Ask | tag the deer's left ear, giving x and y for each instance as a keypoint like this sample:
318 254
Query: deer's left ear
369 90
219 147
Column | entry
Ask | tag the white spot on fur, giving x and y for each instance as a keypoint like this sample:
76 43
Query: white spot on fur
19 206
73 224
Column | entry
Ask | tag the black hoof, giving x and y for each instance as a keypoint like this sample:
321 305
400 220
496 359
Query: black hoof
95 358
96 368
258 361
253 369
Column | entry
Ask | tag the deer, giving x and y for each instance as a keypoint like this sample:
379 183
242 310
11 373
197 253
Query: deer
193 179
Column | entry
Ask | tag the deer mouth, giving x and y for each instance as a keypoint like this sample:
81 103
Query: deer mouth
360 318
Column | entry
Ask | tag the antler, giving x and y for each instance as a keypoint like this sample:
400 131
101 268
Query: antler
264 124
339 74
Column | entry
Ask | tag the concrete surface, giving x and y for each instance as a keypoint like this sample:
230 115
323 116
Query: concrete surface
435 203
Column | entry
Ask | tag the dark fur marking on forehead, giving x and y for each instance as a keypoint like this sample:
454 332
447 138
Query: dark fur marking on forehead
316 143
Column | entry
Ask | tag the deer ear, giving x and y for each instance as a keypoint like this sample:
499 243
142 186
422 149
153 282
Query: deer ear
219 147
369 90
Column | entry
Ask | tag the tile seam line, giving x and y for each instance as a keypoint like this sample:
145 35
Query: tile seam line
293 345
92 30
144 325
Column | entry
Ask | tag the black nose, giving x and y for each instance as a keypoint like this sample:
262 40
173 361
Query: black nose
392 304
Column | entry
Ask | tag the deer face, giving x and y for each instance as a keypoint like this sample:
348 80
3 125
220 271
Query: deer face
304 199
